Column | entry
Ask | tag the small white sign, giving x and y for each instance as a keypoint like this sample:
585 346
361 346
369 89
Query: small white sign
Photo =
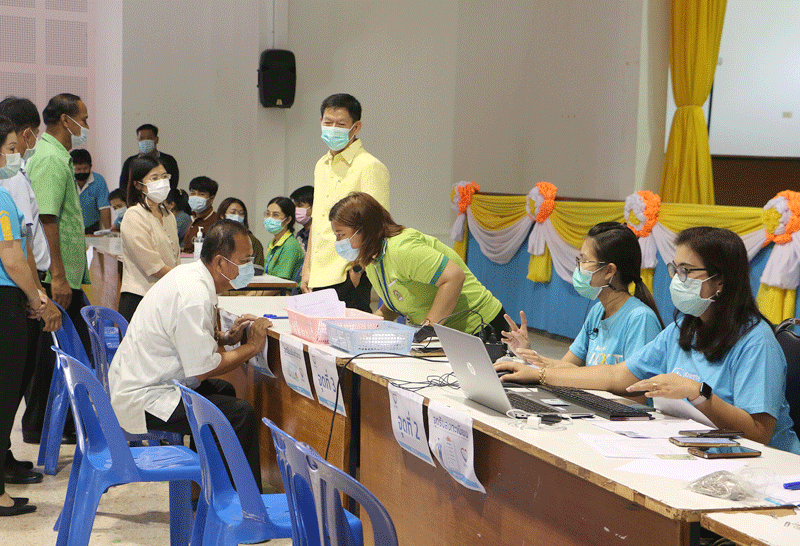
451 442
325 374
293 363
261 363
407 422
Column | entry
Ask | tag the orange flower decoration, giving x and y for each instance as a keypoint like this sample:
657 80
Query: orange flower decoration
465 193
543 198
781 217
641 212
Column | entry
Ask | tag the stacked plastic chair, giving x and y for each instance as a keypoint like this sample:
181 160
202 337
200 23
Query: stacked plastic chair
296 482
106 330
103 459
229 513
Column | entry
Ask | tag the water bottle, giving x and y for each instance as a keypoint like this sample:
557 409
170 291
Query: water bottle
198 243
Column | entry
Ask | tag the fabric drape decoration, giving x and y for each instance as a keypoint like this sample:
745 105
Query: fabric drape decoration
694 48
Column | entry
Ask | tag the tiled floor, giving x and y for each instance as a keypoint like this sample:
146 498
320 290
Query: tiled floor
130 515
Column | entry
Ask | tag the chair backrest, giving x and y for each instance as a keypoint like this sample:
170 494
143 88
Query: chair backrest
790 343
327 483
98 319
296 483
96 426
68 339
212 431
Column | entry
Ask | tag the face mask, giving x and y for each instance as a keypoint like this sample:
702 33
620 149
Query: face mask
81 139
235 218
31 150
197 203
147 146
13 162
82 177
686 296
346 250
581 280
336 137
120 213
246 274
273 225
301 216
157 190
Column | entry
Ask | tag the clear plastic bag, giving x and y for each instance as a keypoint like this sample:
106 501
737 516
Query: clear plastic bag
746 484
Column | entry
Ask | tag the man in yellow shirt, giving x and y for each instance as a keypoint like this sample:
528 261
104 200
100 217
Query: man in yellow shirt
347 167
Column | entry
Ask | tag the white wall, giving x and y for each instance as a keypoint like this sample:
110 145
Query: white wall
506 94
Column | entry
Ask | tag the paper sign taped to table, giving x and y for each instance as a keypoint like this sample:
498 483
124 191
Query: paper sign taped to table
407 422
260 362
323 370
451 442
681 408
293 363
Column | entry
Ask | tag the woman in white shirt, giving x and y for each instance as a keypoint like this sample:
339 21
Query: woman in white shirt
150 245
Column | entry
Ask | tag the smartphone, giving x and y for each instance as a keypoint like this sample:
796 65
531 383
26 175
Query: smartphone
724 452
688 441
713 433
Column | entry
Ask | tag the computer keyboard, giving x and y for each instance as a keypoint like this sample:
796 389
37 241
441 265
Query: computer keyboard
603 407
529 406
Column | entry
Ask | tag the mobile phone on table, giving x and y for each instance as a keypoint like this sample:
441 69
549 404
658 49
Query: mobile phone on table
689 441
734 452
713 433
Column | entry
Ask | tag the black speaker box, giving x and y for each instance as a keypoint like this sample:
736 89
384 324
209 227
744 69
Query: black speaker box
277 76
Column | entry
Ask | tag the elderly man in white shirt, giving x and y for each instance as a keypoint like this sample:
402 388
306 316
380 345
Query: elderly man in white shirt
172 336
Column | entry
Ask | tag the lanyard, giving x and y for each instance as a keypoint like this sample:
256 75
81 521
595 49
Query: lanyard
269 259
385 289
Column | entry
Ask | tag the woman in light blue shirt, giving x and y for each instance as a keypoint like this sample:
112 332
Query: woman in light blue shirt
719 354
610 260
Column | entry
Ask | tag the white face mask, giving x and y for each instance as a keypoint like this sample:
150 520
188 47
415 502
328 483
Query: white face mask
78 140
235 217
158 190
13 162
31 149
686 296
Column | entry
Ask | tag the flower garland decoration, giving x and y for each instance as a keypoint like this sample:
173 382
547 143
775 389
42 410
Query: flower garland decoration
641 212
543 197
460 200
781 217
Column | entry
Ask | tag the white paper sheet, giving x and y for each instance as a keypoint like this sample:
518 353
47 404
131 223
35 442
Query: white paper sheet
407 422
325 375
324 303
681 470
631 448
451 442
657 428
260 362
681 408
777 494
293 363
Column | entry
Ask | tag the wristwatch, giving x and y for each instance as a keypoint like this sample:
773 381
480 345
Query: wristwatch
705 394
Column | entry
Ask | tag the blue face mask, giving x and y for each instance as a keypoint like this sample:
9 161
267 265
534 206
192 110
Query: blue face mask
79 139
246 274
686 296
147 146
337 138
581 280
197 203
235 217
273 225
346 250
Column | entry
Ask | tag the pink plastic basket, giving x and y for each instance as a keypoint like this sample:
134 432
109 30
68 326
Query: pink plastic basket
313 328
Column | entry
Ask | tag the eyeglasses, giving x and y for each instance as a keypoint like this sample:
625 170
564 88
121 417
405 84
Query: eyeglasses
578 262
682 271
248 260
156 178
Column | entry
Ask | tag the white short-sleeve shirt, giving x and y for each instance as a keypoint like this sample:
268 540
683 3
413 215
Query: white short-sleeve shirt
22 193
171 336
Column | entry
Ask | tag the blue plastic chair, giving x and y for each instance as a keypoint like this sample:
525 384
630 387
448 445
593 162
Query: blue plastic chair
229 514
106 330
296 482
327 484
103 459
55 417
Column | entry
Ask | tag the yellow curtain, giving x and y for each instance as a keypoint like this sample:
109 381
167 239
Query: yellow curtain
741 220
496 212
694 48
777 304
540 268
461 246
572 220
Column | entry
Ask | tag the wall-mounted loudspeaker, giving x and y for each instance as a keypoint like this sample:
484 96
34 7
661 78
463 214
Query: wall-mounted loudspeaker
277 76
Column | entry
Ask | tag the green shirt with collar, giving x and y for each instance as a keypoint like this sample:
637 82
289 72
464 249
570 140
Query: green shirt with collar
412 264
53 180
284 257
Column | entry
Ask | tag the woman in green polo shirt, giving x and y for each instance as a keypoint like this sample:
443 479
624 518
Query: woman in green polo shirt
414 274
285 253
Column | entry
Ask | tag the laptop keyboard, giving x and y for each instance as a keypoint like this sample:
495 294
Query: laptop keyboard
603 407
528 405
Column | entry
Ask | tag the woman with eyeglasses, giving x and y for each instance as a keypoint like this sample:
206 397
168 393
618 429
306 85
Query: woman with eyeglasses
719 353
149 232
610 260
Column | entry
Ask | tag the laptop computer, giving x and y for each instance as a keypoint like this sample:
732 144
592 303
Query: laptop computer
479 381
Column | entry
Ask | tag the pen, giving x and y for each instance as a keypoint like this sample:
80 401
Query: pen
270 316
793 486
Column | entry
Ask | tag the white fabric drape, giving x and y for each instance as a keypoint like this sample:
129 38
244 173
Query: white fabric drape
499 246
